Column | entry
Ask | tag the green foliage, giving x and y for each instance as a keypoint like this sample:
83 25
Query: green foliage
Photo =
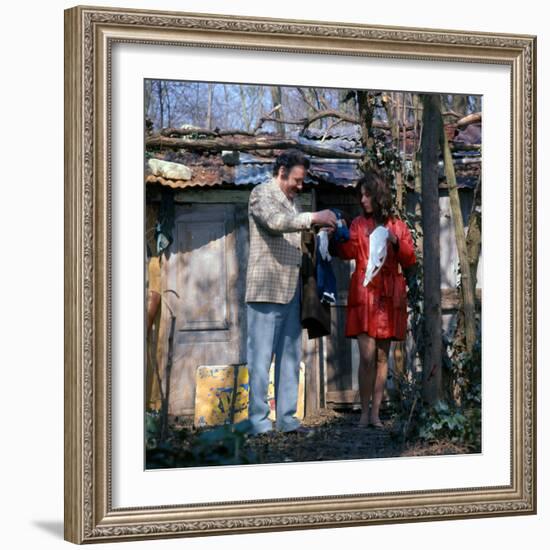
220 446
444 422
152 429
441 422
459 421
466 369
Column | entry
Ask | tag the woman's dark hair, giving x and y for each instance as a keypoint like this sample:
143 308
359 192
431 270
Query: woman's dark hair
375 185
288 160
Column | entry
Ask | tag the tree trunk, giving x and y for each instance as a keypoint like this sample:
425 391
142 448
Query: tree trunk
431 376
148 91
277 99
168 105
395 132
161 103
417 168
468 299
473 237
209 111
473 245
244 108
366 114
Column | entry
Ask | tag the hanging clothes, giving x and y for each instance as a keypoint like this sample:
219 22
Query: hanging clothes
315 316
326 281
341 235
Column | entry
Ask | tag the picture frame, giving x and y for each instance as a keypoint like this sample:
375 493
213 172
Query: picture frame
90 34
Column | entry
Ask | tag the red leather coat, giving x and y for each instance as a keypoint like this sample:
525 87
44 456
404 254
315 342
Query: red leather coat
380 308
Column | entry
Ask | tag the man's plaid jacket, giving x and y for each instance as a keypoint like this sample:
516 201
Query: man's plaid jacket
275 254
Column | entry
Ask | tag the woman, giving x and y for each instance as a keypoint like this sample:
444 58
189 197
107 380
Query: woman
377 312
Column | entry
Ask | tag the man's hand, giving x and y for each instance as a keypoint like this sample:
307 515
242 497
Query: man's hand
326 218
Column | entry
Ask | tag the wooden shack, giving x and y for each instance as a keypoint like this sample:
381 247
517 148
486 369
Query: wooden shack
202 273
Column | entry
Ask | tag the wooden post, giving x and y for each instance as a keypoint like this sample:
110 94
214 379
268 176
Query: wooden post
468 299
312 362
431 376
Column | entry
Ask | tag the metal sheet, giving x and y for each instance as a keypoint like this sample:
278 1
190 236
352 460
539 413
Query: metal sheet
220 399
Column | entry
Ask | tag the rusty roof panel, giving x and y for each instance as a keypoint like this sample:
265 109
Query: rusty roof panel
205 174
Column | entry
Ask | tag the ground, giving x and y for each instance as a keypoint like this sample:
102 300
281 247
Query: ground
335 436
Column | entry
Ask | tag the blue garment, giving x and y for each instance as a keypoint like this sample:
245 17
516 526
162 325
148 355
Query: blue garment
326 281
341 235
274 329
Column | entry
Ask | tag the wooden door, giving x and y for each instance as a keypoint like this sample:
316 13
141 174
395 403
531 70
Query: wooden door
204 286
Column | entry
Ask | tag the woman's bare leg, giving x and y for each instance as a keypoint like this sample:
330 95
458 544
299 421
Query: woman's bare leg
367 373
382 351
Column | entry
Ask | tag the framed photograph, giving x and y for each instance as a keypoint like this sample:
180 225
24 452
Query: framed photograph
282 308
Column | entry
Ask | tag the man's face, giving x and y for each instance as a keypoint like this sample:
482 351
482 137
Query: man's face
293 183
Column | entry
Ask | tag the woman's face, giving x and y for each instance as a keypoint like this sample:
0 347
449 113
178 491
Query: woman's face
366 202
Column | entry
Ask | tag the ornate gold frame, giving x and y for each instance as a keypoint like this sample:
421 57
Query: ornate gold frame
89 34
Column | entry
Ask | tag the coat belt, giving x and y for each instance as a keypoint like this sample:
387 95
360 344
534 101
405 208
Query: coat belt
384 280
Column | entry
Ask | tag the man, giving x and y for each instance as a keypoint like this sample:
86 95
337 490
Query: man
273 291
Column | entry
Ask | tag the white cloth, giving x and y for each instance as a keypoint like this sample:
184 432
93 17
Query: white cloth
323 245
378 247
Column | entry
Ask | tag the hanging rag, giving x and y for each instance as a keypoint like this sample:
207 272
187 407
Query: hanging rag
378 246
326 281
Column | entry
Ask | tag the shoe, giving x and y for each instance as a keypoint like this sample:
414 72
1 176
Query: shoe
260 435
363 422
377 425
300 430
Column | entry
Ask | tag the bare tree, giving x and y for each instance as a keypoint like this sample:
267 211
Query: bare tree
160 102
209 111
277 101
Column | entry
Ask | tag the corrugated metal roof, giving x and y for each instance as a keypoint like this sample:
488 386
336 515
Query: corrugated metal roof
339 172
179 184
253 173
253 170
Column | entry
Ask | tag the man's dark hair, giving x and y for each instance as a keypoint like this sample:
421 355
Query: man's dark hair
289 159
374 184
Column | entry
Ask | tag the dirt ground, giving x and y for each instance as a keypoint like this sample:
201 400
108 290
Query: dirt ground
334 436
337 436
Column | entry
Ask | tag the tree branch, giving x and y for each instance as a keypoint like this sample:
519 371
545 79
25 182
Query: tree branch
244 144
